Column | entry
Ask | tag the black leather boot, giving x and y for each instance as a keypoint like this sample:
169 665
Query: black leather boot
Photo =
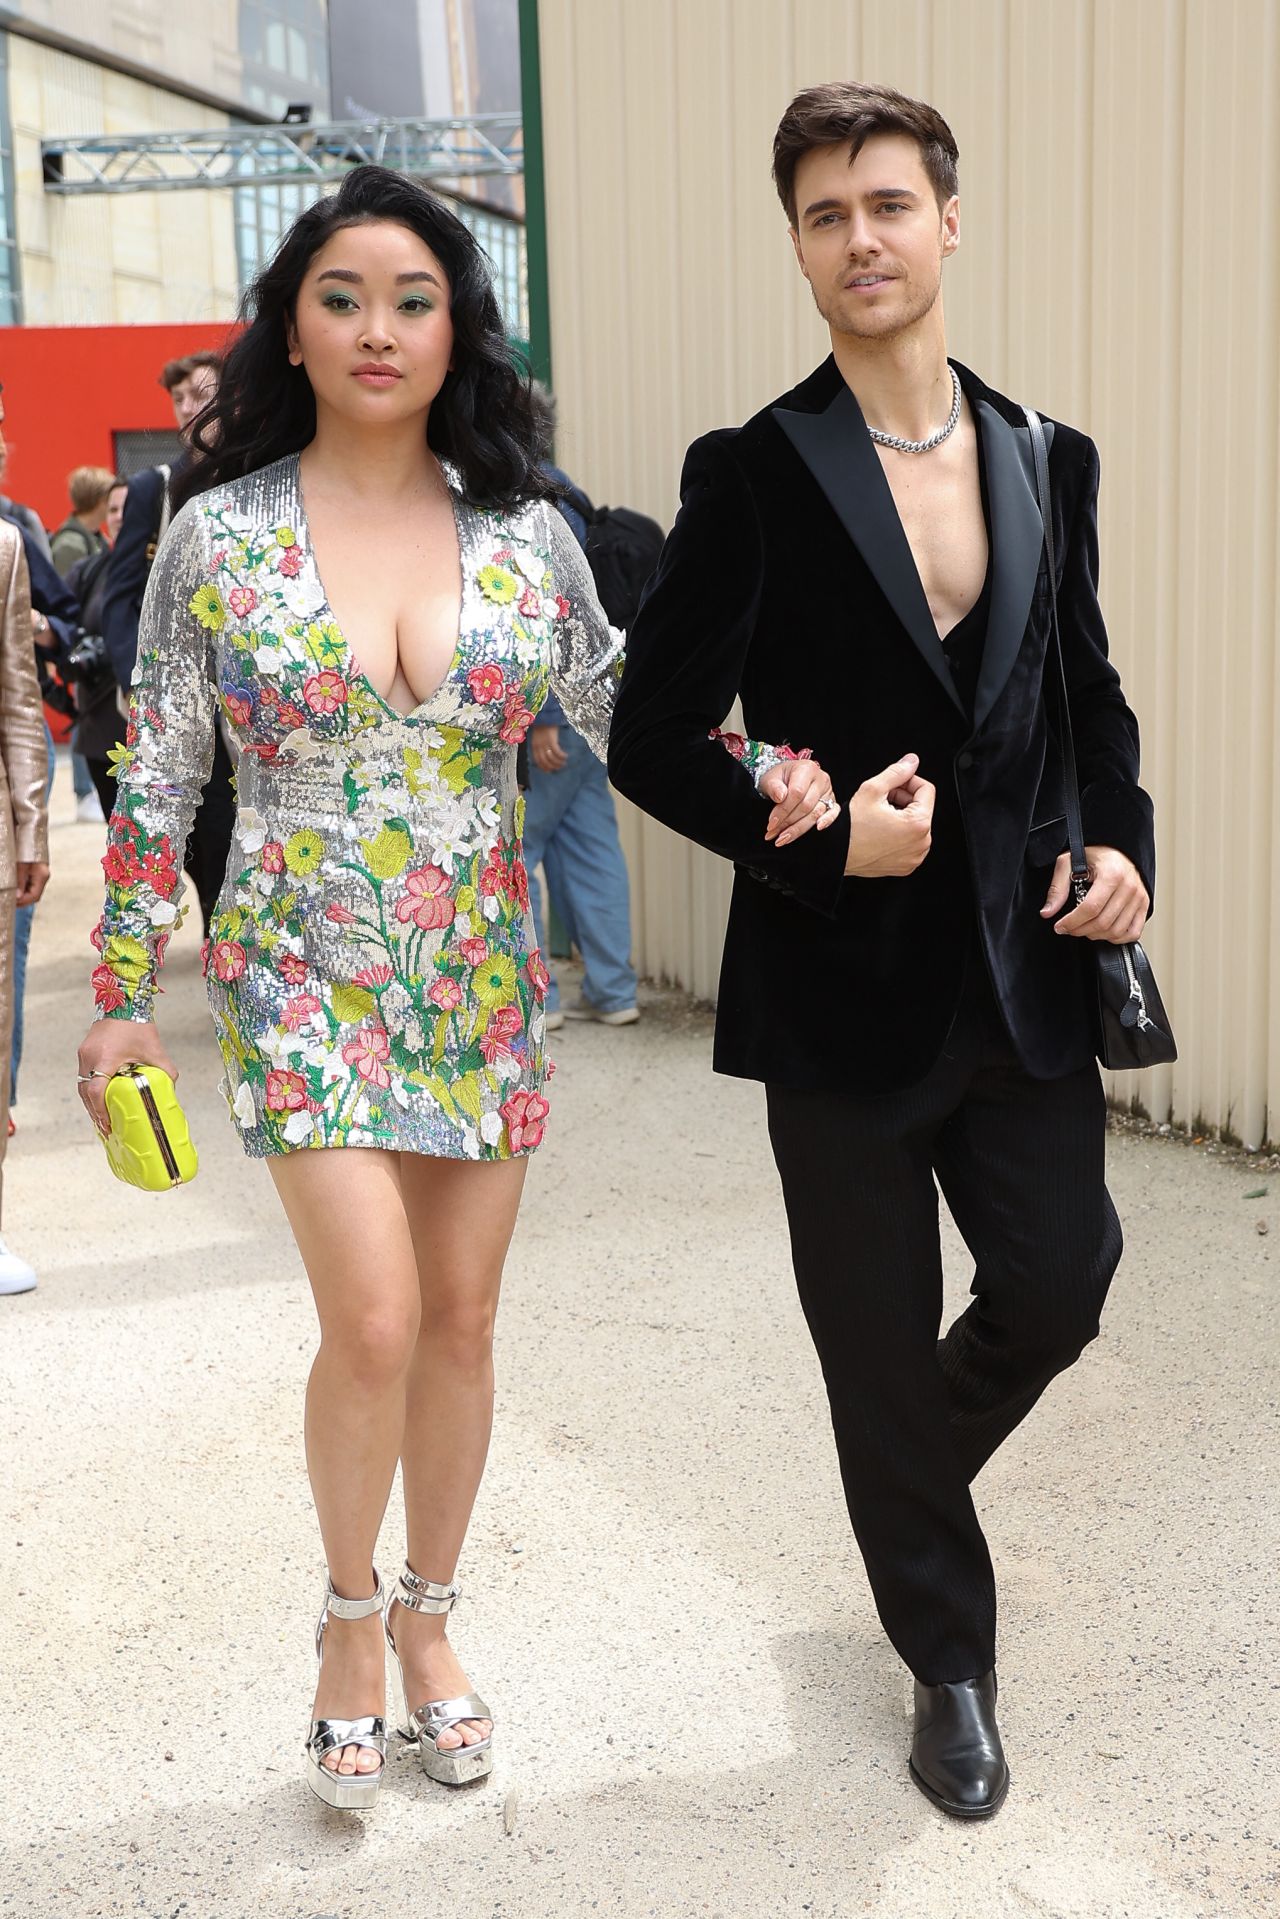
956 1756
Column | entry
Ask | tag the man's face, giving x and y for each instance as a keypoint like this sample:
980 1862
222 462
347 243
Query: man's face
115 512
192 395
870 237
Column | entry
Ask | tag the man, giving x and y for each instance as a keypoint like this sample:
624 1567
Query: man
571 828
80 536
191 384
863 563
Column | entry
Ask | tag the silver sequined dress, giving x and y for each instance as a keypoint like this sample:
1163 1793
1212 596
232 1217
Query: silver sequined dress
370 966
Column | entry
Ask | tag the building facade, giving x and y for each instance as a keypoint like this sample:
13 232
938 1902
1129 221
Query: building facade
1119 267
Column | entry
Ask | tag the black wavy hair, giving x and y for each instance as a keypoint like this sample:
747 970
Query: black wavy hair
483 419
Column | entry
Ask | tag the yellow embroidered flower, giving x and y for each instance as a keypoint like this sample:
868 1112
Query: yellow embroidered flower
498 585
520 817
120 759
285 536
464 899
127 958
303 851
206 604
494 982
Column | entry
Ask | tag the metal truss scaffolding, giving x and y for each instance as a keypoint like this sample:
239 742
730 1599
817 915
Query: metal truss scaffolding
287 155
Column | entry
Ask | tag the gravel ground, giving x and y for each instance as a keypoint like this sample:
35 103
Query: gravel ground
697 1711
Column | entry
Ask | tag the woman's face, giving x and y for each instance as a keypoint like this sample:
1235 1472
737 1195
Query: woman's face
372 325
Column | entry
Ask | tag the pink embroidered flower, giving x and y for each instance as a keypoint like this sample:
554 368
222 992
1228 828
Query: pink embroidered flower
242 600
290 562
162 943
372 976
446 993
291 716
428 904
366 1052
237 706
340 915
525 1114
295 1012
228 958
502 555
530 604
516 718
286 1092
273 857
261 749
292 970
518 884
491 880
562 608
205 946
785 752
733 743
474 951
107 990
537 976
325 692
486 683
506 1022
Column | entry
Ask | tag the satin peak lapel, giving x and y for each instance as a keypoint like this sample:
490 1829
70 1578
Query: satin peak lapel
1017 540
840 455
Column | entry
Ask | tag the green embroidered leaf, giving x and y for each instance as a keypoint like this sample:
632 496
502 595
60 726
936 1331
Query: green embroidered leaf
466 1096
353 790
441 1040
351 1004
388 854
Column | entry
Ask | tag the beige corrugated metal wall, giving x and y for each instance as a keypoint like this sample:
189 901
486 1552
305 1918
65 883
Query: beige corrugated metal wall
1120 267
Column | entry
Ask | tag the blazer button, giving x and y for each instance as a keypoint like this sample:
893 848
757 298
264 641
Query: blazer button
964 761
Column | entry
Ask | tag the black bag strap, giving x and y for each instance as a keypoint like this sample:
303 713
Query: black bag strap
1057 671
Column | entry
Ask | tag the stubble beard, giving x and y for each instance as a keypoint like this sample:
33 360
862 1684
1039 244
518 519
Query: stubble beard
867 324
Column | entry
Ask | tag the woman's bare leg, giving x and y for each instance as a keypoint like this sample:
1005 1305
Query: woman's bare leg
462 1216
347 1215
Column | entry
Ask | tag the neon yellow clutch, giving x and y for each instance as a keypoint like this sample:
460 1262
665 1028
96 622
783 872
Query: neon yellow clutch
149 1144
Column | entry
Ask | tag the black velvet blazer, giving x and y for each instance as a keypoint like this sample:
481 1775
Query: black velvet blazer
788 579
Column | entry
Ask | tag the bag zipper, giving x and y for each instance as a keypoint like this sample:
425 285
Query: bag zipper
1135 990
157 1126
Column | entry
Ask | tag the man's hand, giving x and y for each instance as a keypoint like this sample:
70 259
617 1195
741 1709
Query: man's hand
802 798
546 751
1114 909
891 822
33 876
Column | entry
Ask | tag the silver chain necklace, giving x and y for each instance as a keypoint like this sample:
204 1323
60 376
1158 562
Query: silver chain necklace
935 439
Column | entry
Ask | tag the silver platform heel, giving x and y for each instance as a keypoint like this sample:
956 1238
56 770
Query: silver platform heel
423 1725
351 1790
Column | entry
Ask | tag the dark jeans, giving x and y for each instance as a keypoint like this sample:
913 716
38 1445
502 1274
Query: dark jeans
1020 1162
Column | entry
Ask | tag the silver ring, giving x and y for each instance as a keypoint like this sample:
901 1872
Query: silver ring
830 805
83 1078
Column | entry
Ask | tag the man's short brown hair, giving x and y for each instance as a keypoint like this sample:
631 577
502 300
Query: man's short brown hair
174 372
846 111
89 487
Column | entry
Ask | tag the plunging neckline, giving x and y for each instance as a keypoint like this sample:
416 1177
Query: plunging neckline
354 670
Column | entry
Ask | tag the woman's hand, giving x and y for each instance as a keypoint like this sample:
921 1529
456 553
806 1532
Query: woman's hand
802 797
106 1047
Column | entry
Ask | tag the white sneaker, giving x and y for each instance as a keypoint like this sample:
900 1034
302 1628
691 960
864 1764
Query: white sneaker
555 1021
89 809
623 1016
15 1274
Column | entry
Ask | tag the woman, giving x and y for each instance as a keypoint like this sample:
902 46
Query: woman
372 585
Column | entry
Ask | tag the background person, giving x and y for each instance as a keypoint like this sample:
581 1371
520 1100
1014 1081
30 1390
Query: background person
24 824
80 534
99 725
191 383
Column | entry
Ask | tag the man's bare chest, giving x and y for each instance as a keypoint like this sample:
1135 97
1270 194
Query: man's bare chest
940 507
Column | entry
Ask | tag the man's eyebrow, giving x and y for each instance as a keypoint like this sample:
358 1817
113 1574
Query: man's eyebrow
891 193
357 279
822 206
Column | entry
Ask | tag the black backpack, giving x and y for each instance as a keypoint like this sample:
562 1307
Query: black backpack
622 551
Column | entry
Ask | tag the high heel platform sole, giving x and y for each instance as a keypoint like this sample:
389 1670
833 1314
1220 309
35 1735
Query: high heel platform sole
458 1768
348 1791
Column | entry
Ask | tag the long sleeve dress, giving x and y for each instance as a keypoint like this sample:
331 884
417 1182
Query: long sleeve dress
371 966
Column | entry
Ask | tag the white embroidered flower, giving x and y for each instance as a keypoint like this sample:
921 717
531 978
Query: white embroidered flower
490 907
302 744
302 596
470 1142
400 1093
491 1125
528 651
488 812
163 913
265 882
448 846
268 659
242 1105
251 829
531 565
298 1127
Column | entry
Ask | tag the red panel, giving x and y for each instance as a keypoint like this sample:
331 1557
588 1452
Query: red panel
68 389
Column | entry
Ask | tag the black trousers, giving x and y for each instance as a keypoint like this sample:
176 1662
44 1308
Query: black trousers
1020 1162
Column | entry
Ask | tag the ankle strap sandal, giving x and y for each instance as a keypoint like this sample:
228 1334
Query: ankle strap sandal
424 1724
352 1790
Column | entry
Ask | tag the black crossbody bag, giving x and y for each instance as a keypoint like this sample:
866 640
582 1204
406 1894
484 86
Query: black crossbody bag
1132 1026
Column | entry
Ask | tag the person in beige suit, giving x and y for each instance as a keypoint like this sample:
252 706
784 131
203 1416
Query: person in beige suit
24 819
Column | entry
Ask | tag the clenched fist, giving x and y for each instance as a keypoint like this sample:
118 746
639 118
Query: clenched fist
891 822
